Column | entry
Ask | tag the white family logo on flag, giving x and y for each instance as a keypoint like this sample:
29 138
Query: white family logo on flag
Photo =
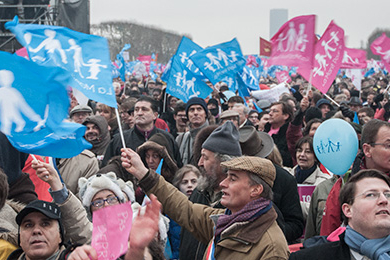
229 81
183 58
53 46
13 105
295 41
252 78
386 54
222 56
349 59
321 59
187 85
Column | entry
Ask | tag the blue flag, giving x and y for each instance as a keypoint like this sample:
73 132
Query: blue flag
86 57
185 84
356 119
167 71
242 87
185 51
120 61
114 71
33 104
220 60
250 79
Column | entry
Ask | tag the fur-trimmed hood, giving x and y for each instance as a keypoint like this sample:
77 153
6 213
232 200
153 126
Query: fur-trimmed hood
7 221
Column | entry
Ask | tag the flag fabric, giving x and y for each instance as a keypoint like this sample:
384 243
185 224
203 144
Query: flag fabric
73 51
251 61
354 59
248 76
328 55
242 87
120 61
22 52
356 76
146 60
114 71
219 61
283 76
33 104
265 47
369 72
293 44
381 46
185 84
183 77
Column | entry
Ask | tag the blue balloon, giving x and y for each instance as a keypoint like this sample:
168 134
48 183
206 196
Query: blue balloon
336 144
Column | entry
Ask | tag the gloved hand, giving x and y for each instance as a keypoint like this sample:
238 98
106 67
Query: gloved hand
347 112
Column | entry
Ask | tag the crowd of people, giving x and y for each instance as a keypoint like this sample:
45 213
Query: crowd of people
222 175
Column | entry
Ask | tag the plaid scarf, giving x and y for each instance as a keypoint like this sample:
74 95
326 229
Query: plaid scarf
249 213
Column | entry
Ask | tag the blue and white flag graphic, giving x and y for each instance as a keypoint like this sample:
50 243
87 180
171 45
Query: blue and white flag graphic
33 104
120 61
114 71
219 61
250 78
86 57
185 84
167 71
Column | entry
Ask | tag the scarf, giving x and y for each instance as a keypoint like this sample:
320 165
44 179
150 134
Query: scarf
375 249
301 175
249 213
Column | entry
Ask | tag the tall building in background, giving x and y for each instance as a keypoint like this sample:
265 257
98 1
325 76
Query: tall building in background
276 19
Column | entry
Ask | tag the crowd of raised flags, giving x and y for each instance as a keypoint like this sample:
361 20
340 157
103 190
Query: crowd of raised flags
59 58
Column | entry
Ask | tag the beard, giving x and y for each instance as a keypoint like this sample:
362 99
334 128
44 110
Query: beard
207 181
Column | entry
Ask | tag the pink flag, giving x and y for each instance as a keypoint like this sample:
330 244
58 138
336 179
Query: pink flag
354 59
22 52
145 59
381 46
111 229
251 60
293 44
282 76
328 55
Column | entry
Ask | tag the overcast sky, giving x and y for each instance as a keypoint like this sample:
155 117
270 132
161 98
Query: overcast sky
210 22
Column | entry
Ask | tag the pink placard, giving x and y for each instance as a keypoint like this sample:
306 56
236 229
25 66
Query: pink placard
111 230
283 76
293 44
305 192
328 55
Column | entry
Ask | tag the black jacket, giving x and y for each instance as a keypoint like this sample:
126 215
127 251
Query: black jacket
280 140
333 250
134 138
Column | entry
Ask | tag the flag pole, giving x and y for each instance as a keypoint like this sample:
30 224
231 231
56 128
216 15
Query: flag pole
331 99
120 128
309 86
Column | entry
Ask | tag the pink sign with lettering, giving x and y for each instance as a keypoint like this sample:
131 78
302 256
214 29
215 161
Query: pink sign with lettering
305 192
111 230
283 76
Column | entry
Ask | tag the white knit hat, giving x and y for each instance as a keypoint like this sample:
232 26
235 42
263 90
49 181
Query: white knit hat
127 188
89 187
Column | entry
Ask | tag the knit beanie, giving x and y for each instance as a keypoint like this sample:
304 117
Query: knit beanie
89 187
224 140
196 101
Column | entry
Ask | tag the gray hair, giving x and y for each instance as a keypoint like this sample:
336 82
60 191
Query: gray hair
267 190
246 109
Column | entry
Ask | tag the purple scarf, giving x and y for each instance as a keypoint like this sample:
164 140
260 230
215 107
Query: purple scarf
249 213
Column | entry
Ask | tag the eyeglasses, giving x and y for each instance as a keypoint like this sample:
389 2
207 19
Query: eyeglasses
374 195
100 202
385 145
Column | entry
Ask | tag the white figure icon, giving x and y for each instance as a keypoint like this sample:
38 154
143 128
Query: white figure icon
301 38
214 60
183 57
94 68
51 45
348 59
291 37
180 78
209 66
334 38
233 55
386 54
280 42
13 105
77 56
222 56
190 84
322 65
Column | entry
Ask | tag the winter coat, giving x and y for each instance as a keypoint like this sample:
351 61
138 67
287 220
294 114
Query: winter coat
280 139
260 239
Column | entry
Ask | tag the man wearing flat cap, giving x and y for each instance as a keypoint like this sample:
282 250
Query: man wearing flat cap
247 229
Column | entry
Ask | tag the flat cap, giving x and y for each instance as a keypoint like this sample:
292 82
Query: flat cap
255 165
